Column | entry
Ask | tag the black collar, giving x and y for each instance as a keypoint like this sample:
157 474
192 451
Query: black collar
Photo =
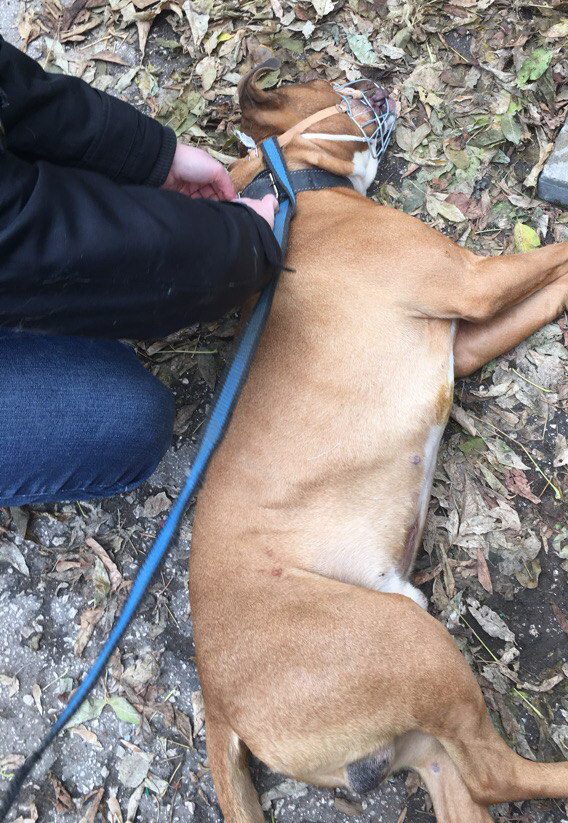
301 179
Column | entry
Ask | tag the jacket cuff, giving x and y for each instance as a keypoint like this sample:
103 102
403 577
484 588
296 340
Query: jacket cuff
163 164
270 244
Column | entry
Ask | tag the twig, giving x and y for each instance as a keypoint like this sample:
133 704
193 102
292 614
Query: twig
530 382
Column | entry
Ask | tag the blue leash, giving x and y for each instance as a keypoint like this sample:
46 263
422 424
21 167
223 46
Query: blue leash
213 434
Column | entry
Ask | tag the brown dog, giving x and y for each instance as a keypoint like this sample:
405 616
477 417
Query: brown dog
312 647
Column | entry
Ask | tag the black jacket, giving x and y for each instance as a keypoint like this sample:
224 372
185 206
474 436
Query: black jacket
88 242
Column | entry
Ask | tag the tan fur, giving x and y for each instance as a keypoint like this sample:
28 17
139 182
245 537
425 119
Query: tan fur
314 498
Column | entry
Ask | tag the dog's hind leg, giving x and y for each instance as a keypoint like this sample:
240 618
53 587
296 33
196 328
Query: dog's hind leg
229 767
478 343
450 796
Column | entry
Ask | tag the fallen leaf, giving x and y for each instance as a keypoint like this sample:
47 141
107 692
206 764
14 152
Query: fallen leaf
156 504
505 454
12 684
36 694
133 768
114 574
348 807
525 238
288 788
87 735
490 622
94 801
198 23
511 128
483 574
561 452
517 483
115 815
561 617
558 31
89 710
123 710
10 762
89 620
323 7
198 711
12 555
133 803
534 66
63 800
362 49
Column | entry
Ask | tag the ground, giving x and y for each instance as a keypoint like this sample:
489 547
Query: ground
481 91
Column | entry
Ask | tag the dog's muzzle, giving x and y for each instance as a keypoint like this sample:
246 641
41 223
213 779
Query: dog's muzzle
369 107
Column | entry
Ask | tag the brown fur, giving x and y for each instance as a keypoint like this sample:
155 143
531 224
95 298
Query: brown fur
316 486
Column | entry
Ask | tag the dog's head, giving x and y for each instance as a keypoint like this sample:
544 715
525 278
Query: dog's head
271 112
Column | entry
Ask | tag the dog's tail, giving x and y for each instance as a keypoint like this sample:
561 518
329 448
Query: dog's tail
229 767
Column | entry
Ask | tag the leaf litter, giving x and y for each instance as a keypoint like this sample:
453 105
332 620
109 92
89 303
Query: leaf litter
481 89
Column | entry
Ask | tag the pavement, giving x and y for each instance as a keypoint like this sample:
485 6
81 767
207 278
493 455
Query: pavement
553 182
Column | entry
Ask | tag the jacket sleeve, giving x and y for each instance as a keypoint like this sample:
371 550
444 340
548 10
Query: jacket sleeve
82 255
63 120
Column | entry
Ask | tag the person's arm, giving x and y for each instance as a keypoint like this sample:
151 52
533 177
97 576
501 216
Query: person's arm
63 120
82 255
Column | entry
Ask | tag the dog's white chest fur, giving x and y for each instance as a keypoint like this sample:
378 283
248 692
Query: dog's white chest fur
364 170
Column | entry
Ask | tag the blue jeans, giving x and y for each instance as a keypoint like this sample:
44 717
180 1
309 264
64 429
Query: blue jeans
79 418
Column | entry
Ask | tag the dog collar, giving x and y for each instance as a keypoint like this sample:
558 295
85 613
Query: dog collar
301 180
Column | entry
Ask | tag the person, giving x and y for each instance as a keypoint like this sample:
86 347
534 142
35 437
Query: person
109 229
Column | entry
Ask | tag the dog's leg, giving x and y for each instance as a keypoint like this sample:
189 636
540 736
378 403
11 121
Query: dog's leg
228 763
454 283
478 343
450 796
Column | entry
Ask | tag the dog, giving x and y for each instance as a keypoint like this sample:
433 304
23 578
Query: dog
314 650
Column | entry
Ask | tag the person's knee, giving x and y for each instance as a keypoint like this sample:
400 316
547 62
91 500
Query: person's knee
80 419
143 427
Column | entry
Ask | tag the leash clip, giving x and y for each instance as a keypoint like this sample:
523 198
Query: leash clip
273 184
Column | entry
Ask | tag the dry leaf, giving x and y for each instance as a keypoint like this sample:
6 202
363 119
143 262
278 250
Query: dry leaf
63 800
156 504
36 694
561 617
114 813
517 482
94 801
115 576
87 735
89 620
483 574
348 807
198 710
490 621
12 684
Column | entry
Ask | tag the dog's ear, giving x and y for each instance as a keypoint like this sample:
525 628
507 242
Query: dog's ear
250 94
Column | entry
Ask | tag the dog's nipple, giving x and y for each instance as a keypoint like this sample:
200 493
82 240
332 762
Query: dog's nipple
415 458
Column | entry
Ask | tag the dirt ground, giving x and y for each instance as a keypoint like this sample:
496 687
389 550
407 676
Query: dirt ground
482 92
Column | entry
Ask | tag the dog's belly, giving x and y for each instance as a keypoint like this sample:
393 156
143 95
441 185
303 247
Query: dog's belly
374 541
430 453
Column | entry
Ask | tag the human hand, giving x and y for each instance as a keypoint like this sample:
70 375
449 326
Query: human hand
196 174
266 208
